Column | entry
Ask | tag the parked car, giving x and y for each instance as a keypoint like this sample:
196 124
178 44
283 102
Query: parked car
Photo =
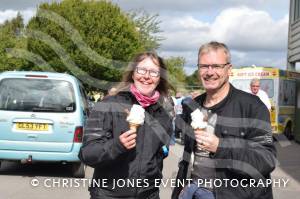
42 117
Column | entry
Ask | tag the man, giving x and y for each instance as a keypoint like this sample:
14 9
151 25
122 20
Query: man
255 90
195 94
112 91
178 117
236 149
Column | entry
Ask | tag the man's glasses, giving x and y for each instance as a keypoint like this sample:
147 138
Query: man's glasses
213 66
143 71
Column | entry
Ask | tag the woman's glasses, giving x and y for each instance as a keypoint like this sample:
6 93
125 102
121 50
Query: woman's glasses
143 71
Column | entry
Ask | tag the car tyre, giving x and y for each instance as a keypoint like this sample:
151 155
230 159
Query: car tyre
288 132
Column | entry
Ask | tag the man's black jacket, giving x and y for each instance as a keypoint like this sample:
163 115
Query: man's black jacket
246 150
103 151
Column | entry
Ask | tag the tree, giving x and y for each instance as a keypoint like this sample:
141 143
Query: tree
193 80
148 26
86 38
10 37
176 71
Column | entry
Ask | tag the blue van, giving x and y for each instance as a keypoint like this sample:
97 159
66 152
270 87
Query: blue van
42 115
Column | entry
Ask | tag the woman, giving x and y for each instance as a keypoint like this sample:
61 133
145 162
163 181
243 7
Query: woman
128 163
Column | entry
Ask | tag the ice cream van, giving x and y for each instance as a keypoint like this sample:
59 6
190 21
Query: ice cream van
283 89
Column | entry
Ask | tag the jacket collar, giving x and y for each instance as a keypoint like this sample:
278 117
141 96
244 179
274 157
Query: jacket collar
217 107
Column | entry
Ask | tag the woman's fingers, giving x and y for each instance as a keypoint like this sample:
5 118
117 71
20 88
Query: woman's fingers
128 139
131 144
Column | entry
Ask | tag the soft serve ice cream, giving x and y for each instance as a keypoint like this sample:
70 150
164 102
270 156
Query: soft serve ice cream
136 117
198 120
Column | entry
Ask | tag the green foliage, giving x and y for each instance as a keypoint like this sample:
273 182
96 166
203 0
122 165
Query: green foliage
148 27
10 37
104 32
84 38
193 80
176 71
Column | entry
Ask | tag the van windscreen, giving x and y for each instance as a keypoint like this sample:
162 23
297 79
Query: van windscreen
37 95
265 84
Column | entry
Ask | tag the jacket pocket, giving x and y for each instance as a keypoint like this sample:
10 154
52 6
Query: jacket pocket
233 132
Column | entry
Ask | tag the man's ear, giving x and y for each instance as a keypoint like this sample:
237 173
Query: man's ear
229 68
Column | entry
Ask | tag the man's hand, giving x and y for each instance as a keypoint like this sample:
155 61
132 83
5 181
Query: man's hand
128 139
206 141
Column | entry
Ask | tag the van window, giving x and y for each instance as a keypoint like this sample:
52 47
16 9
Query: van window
38 95
84 98
287 93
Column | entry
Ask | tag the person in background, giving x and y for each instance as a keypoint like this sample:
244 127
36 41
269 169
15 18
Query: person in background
195 94
234 141
112 91
173 139
255 90
117 152
178 115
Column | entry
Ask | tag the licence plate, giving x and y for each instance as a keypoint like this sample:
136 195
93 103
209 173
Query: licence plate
32 126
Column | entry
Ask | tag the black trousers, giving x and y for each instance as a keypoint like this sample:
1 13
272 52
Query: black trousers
178 125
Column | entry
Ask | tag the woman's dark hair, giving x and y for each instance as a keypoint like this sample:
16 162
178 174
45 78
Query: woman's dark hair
162 87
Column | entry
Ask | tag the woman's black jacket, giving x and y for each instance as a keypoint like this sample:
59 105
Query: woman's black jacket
113 163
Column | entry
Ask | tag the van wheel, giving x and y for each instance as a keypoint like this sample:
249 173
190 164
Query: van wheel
78 170
288 132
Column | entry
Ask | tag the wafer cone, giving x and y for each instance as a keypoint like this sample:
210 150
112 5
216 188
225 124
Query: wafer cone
133 126
196 130
199 129
205 119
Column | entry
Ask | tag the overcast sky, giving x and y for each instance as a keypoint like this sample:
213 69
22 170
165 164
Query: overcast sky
255 30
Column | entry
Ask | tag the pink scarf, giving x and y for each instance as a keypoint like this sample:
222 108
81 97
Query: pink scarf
144 101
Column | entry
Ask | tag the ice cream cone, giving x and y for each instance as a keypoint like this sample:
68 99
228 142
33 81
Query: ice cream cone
199 121
135 117
133 126
199 129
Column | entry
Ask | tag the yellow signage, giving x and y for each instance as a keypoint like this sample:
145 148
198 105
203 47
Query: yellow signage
255 72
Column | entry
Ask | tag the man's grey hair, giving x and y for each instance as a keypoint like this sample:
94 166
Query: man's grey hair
214 46
254 80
